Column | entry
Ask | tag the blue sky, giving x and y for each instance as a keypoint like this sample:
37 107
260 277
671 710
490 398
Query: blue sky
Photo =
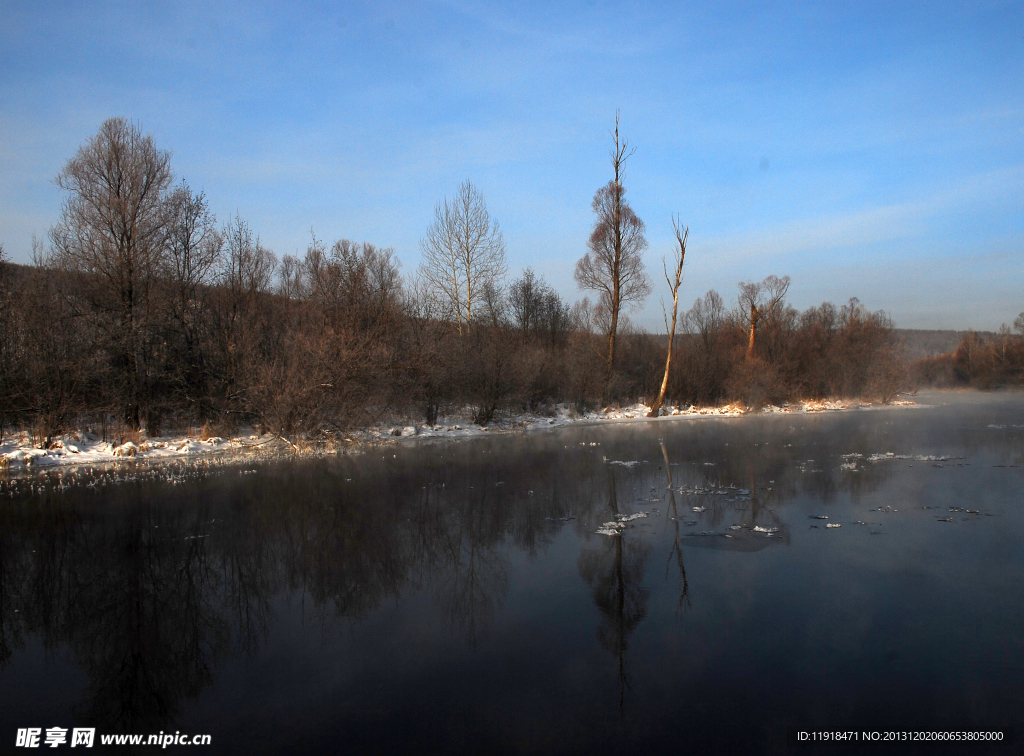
864 149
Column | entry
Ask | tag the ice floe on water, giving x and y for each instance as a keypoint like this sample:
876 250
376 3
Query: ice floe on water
620 523
892 456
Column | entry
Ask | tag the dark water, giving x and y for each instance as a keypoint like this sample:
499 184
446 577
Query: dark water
455 597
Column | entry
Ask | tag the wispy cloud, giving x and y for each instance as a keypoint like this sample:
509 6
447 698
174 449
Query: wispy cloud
870 226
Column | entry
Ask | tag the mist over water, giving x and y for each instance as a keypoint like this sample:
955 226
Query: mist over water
452 597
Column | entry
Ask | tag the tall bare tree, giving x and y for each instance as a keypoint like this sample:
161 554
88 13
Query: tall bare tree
614 266
245 275
112 229
192 257
463 252
759 301
679 255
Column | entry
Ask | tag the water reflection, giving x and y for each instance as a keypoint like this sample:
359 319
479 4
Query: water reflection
473 571
151 590
614 570
676 553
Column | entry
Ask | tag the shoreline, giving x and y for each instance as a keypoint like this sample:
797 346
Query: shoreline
83 448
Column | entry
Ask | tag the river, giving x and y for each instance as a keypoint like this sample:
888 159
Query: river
456 596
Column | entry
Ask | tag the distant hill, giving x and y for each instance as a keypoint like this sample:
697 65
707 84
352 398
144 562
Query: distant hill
921 344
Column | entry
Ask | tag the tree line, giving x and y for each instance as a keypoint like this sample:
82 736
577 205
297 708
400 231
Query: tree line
141 310
981 362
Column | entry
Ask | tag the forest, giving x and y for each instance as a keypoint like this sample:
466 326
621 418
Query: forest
142 312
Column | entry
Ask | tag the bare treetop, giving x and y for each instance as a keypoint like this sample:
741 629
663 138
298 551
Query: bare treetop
113 219
759 301
114 228
620 151
463 252
614 266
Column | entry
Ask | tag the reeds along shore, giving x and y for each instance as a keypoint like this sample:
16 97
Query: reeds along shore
338 338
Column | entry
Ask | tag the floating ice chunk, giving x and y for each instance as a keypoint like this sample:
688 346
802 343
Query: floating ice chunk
698 509
759 529
881 457
833 525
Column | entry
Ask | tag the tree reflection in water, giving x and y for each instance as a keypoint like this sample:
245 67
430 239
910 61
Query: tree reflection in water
615 570
148 588
473 575
152 588
676 553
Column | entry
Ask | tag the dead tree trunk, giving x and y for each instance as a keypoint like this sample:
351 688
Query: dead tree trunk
673 285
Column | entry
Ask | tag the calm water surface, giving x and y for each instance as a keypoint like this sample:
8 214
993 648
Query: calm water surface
454 597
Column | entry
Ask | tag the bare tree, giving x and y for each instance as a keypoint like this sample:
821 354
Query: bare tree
245 275
463 252
614 266
679 255
192 255
526 300
112 229
759 301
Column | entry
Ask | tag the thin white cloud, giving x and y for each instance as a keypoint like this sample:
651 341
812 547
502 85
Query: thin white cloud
868 226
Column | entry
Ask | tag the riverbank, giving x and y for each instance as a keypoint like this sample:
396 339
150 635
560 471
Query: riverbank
84 447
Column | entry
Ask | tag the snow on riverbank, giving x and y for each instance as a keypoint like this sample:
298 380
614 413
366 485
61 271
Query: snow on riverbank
83 448
563 415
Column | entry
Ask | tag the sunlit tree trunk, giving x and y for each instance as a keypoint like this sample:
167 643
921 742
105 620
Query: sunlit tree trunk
673 284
